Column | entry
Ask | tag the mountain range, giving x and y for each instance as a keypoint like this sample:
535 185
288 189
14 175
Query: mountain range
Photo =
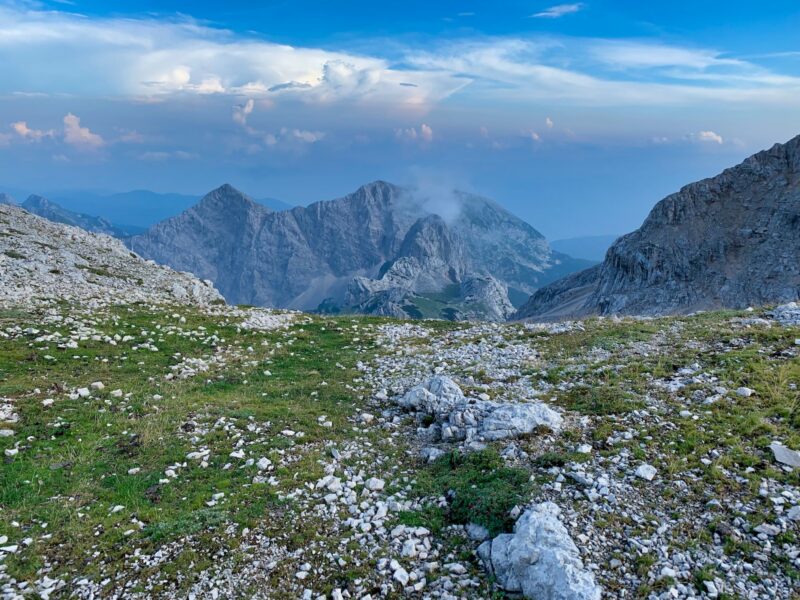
382 250
730 241
138 209
51 211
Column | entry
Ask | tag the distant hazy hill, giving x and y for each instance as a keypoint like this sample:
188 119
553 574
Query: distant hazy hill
58 214
593 247
141 208
380 250
730 241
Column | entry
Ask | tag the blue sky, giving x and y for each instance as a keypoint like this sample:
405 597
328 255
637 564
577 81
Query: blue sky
576 116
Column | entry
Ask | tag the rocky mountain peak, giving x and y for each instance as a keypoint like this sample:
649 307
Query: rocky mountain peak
228 198
430 237
35 202
729 241
391 238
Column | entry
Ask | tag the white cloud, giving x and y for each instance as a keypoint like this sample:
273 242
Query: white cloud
148 57
641 55
292 139
532 135
549 122
411 134
426 133
149 60
242 111
80 137
408 135
132 137
555 12
26 133
301 135
518 70
709 137
161 156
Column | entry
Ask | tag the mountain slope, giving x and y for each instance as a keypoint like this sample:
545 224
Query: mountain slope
53 212
8 200
138 208
42 260
725 242
381 234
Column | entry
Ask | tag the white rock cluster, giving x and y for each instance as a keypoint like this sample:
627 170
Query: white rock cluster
457 418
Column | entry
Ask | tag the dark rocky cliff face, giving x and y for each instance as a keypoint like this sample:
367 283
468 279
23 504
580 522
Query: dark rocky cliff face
726 242
338 253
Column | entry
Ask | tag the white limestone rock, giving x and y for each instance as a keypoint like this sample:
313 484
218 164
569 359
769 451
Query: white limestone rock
539 560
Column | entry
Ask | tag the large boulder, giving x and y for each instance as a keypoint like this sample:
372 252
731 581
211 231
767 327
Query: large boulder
539 560
458 418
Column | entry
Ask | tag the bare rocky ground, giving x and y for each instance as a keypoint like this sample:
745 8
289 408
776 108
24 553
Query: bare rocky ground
174 451
158 443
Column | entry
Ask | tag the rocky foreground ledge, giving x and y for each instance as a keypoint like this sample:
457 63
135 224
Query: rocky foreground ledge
180 451
41 261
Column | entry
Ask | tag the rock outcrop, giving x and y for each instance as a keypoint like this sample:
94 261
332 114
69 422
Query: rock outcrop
381 250
40 259
726 242
459 419
539 560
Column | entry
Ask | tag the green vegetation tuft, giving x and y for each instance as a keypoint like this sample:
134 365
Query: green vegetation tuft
479 487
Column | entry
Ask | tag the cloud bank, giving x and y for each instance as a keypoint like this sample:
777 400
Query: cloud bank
48 52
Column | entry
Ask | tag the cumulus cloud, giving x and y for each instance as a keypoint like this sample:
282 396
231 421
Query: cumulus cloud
533 136
292 139
549 122
149 57
171 61
708 137
26 133
80 137
559 10
242 111
412 134
425 133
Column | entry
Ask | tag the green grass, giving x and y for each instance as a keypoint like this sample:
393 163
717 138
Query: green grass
479 486
75 455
